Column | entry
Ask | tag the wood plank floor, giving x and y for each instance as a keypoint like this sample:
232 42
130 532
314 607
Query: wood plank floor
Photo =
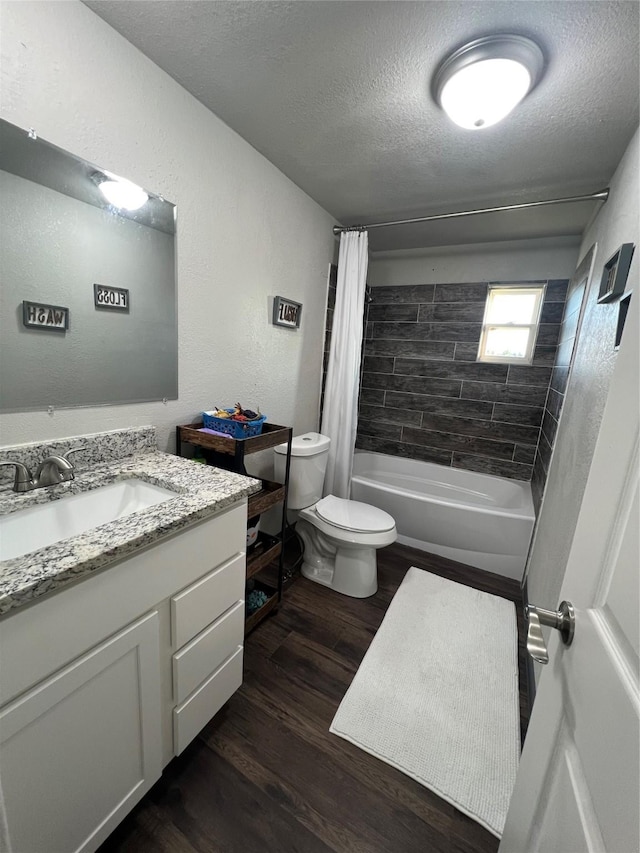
265 774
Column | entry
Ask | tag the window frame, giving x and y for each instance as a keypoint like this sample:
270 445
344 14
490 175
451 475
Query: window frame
538 290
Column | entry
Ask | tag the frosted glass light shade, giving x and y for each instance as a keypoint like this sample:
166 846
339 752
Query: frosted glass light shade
484 93
123 194
483 81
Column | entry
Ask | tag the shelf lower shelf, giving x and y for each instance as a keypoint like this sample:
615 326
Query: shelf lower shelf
258 615
270 494
267 549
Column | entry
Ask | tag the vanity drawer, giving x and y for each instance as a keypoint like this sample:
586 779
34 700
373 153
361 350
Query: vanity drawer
201 603
199 658
191 717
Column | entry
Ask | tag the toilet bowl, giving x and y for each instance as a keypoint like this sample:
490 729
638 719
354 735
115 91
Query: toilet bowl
340 541
340 536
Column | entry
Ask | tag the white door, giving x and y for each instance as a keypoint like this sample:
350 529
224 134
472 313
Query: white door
578 786
80 749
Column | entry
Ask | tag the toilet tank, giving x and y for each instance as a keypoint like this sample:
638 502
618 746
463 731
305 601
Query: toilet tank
309 455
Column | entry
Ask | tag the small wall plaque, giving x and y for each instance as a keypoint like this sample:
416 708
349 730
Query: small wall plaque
112 298
286 312
39 315
615 272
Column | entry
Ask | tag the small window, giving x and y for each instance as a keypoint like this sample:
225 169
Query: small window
510 325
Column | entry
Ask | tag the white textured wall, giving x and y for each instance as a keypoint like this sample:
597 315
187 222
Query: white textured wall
517 260
594 359
245 232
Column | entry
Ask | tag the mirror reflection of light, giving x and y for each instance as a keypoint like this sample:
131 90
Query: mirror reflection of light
123 194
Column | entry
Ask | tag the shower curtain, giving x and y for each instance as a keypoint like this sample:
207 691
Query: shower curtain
340 412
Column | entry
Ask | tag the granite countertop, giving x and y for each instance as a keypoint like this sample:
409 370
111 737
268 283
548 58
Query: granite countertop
201 491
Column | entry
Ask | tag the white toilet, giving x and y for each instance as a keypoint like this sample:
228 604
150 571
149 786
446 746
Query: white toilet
340 536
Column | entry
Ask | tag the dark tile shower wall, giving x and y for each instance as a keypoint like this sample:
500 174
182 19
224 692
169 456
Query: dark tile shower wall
557 388
424 396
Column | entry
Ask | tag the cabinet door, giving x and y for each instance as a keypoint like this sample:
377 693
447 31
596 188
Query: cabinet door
82 747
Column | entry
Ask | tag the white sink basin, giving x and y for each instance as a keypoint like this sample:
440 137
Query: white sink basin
30 529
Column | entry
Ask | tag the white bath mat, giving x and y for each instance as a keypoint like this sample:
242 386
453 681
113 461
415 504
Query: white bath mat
437 695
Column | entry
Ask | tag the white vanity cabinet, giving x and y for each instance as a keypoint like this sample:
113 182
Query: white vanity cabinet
102 683
81 748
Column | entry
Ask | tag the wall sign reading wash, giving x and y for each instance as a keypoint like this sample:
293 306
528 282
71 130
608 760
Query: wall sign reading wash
38 315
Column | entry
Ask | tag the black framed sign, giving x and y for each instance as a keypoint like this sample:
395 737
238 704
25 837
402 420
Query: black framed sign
112 298
40 315
286 312
615 272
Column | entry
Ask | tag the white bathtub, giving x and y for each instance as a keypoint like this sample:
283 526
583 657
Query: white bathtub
477 519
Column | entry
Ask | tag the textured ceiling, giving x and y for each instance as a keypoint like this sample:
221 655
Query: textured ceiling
337 95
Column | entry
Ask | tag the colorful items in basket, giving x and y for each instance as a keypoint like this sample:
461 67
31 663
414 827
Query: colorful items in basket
236 422
237 414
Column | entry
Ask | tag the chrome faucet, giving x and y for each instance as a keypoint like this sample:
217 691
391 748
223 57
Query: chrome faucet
50 472
53 470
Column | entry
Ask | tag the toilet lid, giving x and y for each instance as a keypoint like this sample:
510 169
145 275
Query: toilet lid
353 515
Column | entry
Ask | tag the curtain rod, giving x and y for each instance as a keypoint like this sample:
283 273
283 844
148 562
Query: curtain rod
601 195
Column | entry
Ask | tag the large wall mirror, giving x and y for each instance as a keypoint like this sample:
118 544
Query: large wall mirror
76 237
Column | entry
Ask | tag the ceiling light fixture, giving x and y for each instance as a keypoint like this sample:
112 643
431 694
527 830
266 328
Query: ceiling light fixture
482 82
120 193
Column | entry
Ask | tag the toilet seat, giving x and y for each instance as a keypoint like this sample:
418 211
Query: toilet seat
353 515
346 536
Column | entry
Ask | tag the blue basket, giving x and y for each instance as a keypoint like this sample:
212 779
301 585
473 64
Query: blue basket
234 429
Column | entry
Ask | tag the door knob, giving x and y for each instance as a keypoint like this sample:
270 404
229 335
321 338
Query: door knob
562 620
